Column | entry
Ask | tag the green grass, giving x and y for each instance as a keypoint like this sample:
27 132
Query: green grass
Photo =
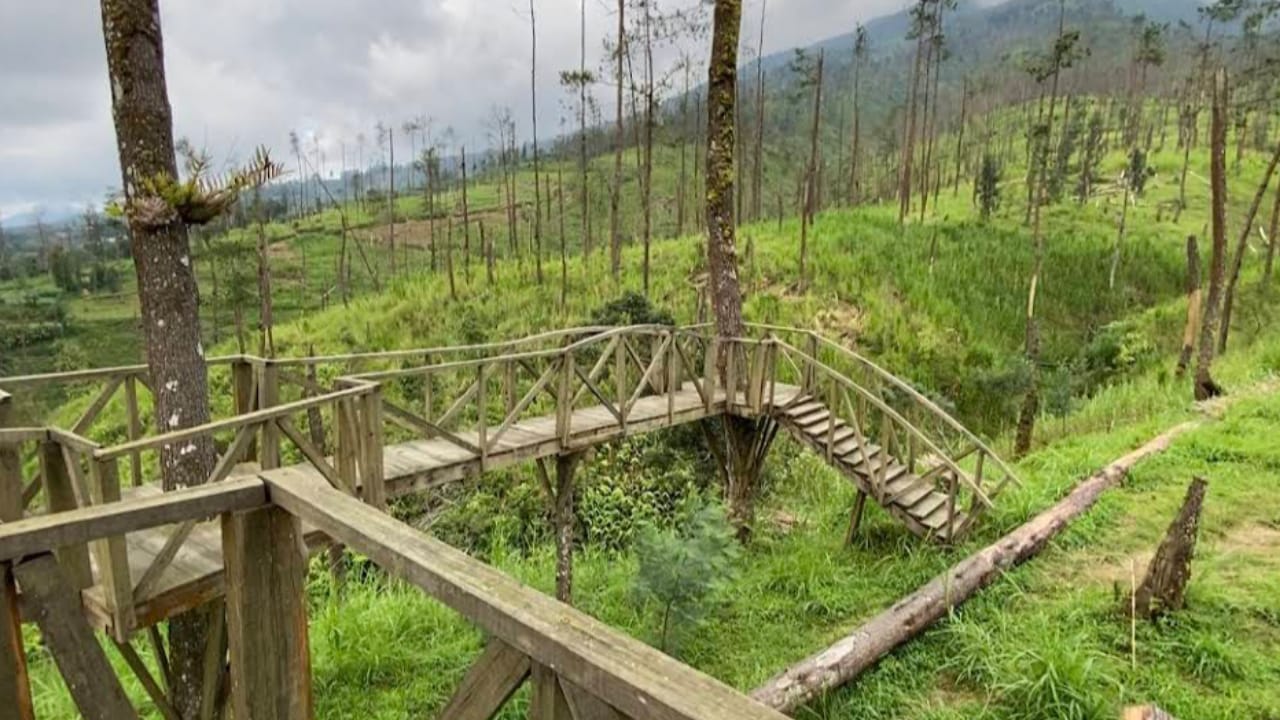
1045 641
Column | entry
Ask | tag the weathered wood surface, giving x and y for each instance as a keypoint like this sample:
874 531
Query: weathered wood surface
89 678
1165 585
266 604
850 656
194 574
490 682
624 672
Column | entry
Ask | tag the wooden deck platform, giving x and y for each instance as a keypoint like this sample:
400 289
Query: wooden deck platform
195 576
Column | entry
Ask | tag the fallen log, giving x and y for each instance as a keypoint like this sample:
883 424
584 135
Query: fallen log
855 653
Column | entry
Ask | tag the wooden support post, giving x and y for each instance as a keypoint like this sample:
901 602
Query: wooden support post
428 391
55 606
855 517
482 416
373 484
15 687
659 379
548 701
269 397
564 400
348 456
11 505
711 370
246 395
60 496
112 554
563 518
620 379
266 601
510 397
134 427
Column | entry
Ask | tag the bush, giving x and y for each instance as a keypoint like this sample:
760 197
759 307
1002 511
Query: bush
682 569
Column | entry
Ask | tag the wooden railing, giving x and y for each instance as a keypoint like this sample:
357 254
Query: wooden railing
72 472
578 666
880 407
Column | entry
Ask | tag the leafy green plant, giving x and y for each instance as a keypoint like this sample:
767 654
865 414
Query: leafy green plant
681 570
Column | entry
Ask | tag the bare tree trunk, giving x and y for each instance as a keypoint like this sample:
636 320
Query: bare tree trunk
466 222
582 130
909 134
619 140
1241 248
1124 222
1194 299
649 110
1165 586
722 87
811 181
391 197
1271 243
266 321
1205 387
167 289
564 252
757 175
1031 401
448 259
537 187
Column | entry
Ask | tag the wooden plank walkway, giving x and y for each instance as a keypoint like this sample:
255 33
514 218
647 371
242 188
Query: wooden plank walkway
196 574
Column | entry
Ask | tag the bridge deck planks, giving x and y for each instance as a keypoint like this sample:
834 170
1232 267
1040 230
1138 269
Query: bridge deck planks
196 573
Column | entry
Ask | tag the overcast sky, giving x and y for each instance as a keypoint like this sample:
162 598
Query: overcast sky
246 72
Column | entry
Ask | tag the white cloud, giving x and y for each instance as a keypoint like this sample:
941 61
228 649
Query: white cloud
246 72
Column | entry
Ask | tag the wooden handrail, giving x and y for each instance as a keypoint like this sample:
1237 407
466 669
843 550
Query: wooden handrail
45 533
233 423
889 411
918 397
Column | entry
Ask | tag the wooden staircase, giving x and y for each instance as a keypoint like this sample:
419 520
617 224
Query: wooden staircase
916 501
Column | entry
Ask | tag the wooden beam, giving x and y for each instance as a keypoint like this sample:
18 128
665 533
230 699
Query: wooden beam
634 678
140 671
15 682
266 567
585 706
490 682
15 685
44 533
60 496
548 701
55 607
111 553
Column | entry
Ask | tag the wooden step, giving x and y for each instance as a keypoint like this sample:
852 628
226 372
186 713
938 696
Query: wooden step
804 408
814 417
937 520
917 491
926 506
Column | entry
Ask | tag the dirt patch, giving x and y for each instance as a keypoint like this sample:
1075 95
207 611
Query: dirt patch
418 232
1252 539
841 320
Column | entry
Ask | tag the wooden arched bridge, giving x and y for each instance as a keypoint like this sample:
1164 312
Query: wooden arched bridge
311 450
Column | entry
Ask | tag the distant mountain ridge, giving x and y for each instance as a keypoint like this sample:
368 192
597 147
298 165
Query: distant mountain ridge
1024 19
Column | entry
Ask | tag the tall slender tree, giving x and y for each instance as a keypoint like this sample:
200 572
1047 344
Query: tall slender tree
1064 53
167 289
619 143
1205 387
537 187
722 88
855 154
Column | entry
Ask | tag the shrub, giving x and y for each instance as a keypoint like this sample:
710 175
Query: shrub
682 569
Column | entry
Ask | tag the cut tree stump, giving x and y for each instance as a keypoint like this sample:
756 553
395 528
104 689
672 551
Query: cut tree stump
1165 586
